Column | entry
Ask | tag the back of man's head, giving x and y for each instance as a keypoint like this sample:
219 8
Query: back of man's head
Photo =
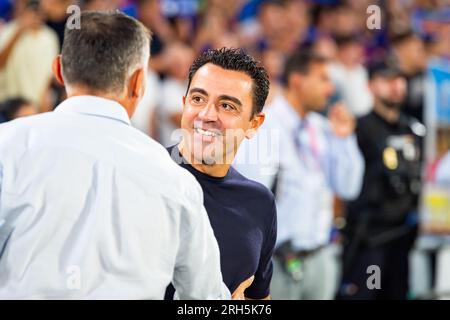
104 52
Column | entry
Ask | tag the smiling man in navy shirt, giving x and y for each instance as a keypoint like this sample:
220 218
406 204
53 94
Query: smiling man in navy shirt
226 93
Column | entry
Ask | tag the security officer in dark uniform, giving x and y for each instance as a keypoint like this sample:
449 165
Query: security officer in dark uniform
381 224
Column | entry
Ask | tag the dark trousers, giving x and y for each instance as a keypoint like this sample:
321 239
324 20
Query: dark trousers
391 257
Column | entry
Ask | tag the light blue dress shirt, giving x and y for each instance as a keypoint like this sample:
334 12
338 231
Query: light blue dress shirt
91 208
309 164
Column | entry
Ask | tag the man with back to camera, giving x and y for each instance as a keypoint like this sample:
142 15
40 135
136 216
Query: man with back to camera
225 95
89 206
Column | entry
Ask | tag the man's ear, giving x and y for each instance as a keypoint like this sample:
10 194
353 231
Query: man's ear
256 122
295 80
136 85
57 69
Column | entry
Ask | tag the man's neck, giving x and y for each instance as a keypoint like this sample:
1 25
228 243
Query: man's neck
391 115
78 91
214 170
296 104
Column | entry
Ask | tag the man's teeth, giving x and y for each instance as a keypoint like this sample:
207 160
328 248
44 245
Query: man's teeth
205 132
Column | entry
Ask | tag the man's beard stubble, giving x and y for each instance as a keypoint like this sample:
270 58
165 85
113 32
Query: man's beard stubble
393 105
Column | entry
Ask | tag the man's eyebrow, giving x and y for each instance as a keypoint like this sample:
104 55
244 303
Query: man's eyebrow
231 98
198 90
222 97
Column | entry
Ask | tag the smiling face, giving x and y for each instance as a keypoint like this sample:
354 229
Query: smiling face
217 114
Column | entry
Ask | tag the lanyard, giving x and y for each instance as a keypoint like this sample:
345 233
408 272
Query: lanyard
312 148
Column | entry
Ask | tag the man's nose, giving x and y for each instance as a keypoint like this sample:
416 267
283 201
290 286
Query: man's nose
209 113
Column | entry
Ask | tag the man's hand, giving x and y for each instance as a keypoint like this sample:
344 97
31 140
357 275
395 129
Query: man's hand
238 294
342 121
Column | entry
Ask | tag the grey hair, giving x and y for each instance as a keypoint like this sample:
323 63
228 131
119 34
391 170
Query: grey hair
105 51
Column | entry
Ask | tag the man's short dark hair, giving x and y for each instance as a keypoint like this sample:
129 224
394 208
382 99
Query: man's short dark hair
343 40
401 37
300 62
101 54
237 60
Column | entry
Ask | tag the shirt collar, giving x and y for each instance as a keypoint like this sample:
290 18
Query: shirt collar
287 113
96 106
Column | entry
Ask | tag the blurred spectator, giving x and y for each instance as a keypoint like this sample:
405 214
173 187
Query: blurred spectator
181 14
178 59
350 76
5 9
322 21
275 32
348 20
314 158
212 26
326 47
27 49
55 15
149 13
398 14
15 108
100 5
410 56
382 222
274 64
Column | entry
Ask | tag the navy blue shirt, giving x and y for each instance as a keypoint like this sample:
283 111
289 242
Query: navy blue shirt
242 213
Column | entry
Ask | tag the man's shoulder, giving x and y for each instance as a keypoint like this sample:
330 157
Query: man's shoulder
180 180
253 189
21 126
173 173
367 117
366 121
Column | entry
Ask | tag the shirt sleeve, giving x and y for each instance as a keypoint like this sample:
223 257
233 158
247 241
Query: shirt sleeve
260 287
346 166
197 272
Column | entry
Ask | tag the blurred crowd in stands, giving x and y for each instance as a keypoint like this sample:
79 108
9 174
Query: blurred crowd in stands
411 33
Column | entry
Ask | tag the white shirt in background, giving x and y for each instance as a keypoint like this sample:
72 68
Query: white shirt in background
28 70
